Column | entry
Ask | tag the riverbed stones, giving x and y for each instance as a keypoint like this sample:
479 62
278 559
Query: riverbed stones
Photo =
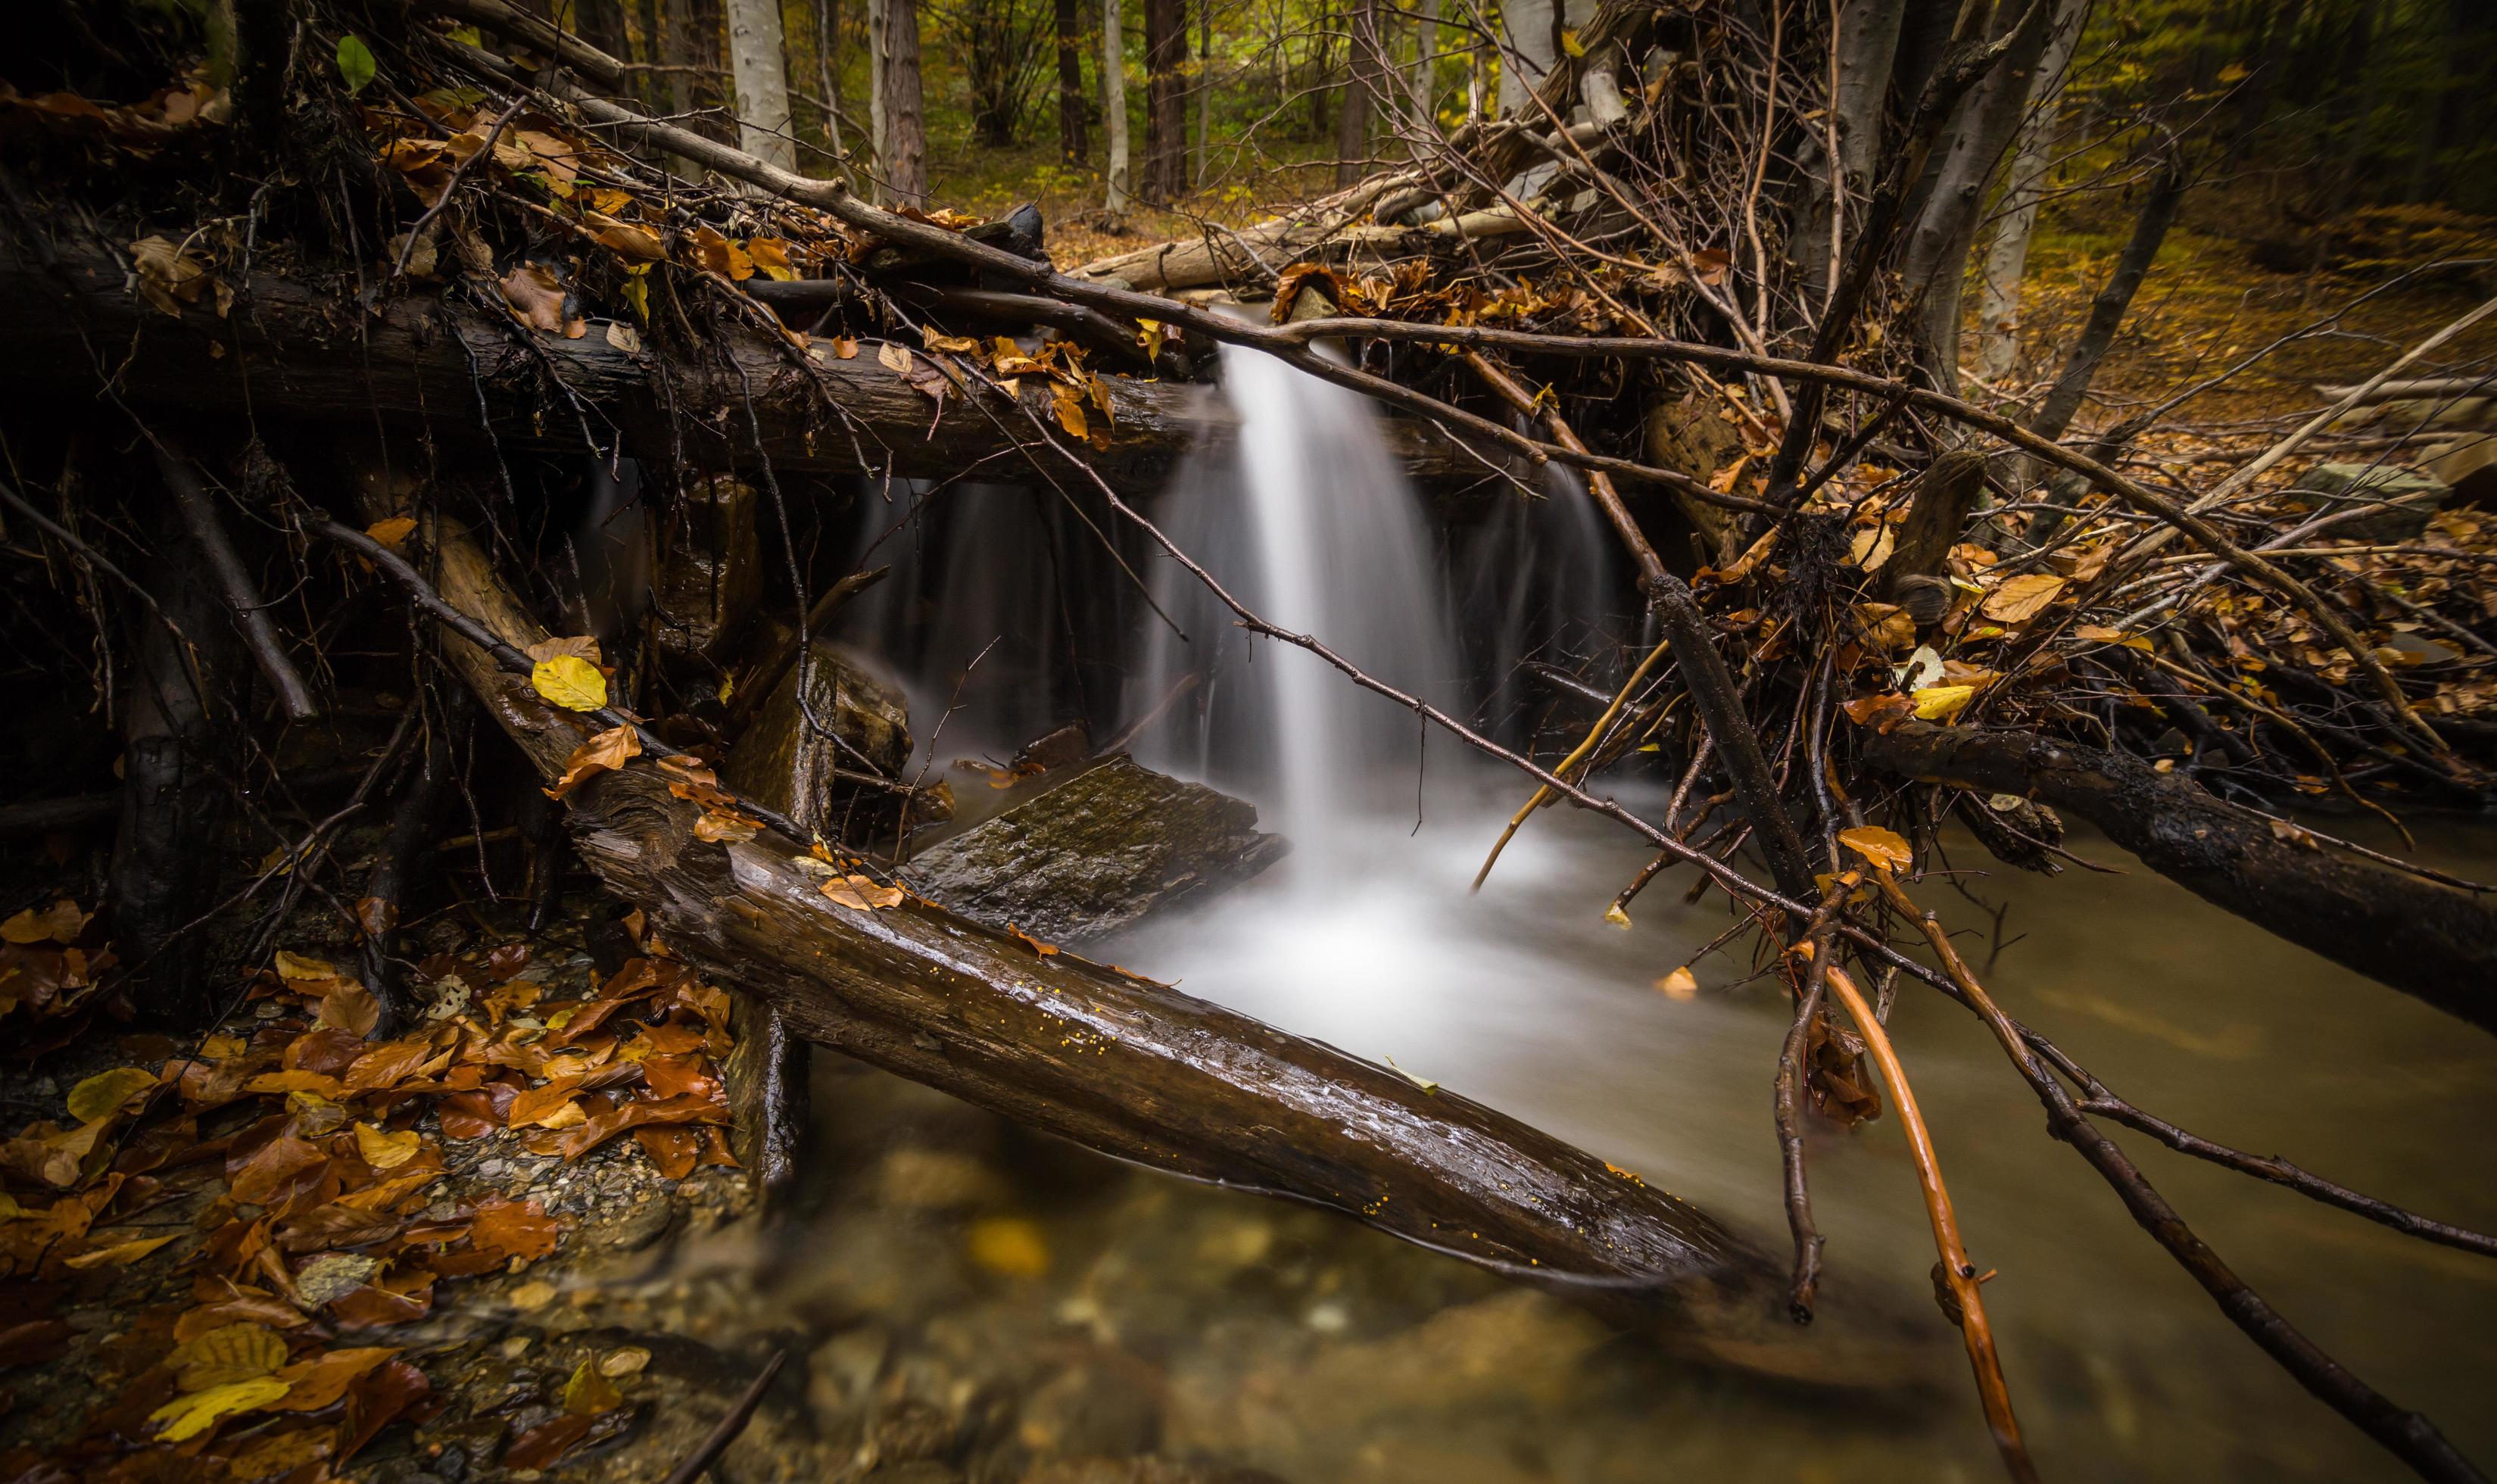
1095 850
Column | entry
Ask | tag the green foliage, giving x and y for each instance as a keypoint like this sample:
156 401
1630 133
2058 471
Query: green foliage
356 65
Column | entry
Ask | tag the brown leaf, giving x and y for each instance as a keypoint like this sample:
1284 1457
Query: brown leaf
378 1398
1039 949
318 1381
229 1353
862 893
541 1446
1880 713
726 826
351 1007
508 1228
535 295
2018 598
718 254
671 1148
392 532
608 750
271 1169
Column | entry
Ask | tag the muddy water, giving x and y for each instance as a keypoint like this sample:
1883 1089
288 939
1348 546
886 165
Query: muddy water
1060 1307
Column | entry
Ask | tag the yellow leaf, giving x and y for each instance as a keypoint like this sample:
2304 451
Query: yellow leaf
301 969
1871 547
570 682
1941 703
2020 597
1616 916
588 1393
894 358
958 344
1680 984
227 1354
1571 43
722 256
393 531
1009 1247
119 1255
105 1094
1070 409
191 1416
771 256
2099 633
1882 847
384 1150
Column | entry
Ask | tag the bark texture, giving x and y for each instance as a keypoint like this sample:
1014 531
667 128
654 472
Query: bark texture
759 68
2420 937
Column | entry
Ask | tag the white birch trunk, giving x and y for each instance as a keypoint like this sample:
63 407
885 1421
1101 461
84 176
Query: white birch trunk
759 70
2007 260
1114 101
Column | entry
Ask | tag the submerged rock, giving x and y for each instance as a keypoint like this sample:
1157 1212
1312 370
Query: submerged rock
1095 852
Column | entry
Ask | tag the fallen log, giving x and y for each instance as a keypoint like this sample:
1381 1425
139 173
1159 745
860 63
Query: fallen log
293 348
2424 937
1120 1063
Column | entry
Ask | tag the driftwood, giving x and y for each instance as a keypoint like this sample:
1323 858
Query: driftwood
1116 1063
2424 937
287 348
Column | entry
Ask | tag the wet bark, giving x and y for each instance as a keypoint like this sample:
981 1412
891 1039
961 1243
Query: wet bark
2423 937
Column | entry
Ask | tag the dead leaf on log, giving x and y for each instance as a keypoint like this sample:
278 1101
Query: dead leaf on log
608 750
1882 847
862 893
2021 598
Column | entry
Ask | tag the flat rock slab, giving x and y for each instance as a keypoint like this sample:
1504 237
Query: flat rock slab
1095 852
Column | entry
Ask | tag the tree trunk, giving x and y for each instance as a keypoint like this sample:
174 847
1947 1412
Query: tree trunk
1981 128
1165 100
1073 147
828 33
1114 103
1526 51
1203 92
1422 86
2062 401
901 132
1364 69
1867 39
758 64
2254 94
176 716
1999 312
2420 937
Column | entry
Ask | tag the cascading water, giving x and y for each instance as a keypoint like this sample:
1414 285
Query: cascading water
1532 581
1307 518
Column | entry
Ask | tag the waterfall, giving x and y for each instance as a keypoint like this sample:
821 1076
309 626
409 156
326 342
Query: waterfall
1534 580
1307 518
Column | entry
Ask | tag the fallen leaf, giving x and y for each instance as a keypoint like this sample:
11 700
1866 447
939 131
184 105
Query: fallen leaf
1617 917
770 255
1880 713
541 1446
510 1228
570 682
1680 984
296 969
718 254
894 358
119 1255
1882 847
536 295
863 894
384 1150
2020 597
671 1147
61 922
1009 1247
393 531
227 1354
2293 834
107 1093
377 1398
608 750
726 826
351 1007
588 1393
188 1416
627 1359
318 1381
1941 703
1070 403
168 277
1039 949
624 336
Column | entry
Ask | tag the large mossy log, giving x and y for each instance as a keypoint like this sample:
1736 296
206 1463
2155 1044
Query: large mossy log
432 359
2422 936
1120 1063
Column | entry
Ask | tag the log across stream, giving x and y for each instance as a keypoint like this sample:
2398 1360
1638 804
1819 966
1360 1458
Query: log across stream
1271 1339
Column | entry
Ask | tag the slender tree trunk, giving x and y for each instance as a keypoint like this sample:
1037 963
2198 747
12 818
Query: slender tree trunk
2062 401
674 20
875 124
1204 90
1114 103
828 31
1364 69
1528 53
1998 313
902 134
1980 130
1073 149
2254 94
1165 99
759 66
1867 44
1422 83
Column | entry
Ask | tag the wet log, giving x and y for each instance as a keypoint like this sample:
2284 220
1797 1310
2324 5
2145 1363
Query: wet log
1119 1063
294 347
1095 850
2423 937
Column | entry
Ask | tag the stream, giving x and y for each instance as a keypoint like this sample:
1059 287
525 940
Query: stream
1073 1307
